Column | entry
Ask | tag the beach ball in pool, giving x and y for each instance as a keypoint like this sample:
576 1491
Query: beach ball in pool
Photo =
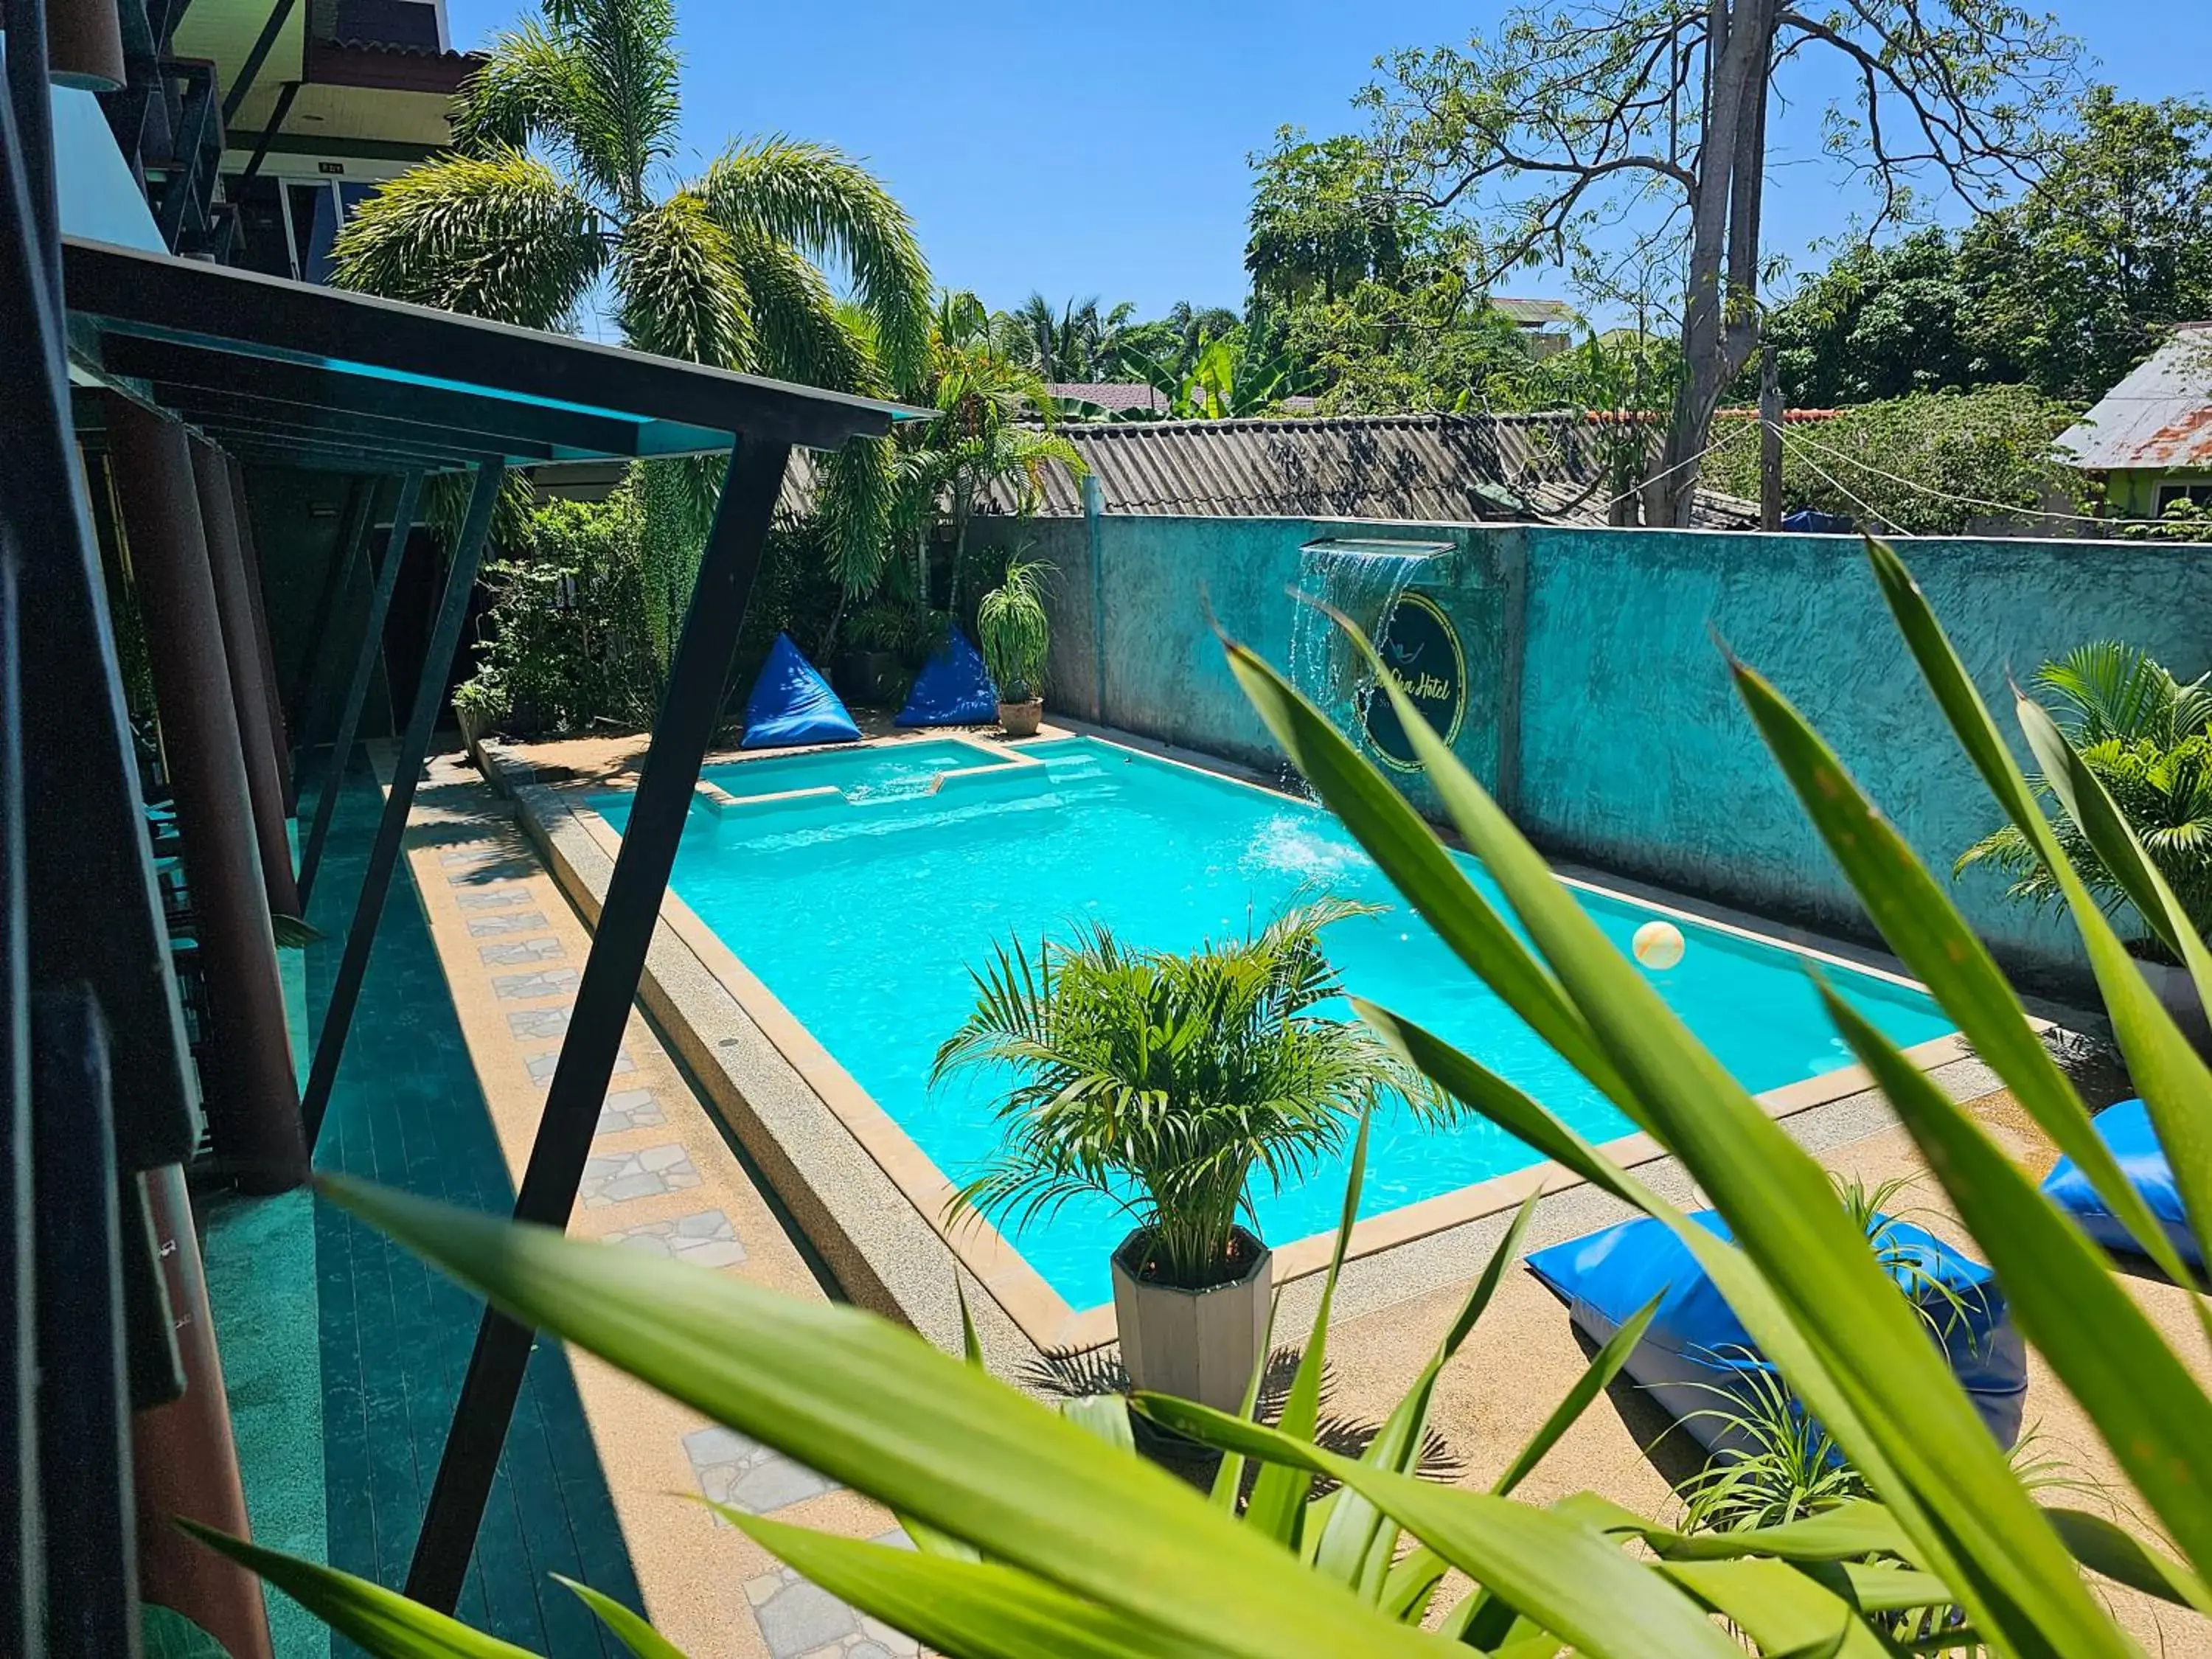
1657 944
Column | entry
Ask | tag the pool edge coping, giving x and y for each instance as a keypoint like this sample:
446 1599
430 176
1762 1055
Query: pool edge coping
1044 1318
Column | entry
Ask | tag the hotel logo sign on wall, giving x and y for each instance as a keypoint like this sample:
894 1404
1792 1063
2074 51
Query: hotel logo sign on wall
1423 651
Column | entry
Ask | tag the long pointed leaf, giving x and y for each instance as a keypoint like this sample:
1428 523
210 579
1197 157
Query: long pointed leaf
1396 837
1922 925
1567 1577
1229 1479
1355 1537
2103 1546
1279 1496
962 1609
382 1623
632 1632
878 1409
1596 1377
2145 1403
2175 1088
1779 1607
1913 1430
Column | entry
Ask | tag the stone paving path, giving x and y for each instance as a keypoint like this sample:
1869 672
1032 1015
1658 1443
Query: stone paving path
661 1178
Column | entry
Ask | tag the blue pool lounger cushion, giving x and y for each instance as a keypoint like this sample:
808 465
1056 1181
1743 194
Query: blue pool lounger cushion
2125 1128
953 689
1697 1352
791 703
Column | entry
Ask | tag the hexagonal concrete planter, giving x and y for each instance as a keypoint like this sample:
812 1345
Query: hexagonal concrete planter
1198 1345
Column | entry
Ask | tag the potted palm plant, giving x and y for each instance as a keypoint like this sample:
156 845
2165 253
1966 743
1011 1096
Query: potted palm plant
1167 1083
1016 636
2148 737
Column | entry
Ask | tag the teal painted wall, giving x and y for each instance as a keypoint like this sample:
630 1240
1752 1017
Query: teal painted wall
1602 712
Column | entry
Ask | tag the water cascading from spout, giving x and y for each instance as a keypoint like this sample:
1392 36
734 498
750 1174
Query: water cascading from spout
1364 582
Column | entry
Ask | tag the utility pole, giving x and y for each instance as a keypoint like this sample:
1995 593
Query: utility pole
1770 441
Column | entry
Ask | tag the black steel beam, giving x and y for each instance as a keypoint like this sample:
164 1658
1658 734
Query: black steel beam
285 95
219 411
423 449
134 293
364 668
407 771
84 1429
306 696
242 83
689 712
172 367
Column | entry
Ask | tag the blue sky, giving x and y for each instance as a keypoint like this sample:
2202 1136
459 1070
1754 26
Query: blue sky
1103 151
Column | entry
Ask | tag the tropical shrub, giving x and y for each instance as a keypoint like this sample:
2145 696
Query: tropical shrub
563 642
1014 631
2147 737
1926 464
1041 1533
1167 1083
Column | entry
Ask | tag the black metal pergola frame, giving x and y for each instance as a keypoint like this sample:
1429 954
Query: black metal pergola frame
276 372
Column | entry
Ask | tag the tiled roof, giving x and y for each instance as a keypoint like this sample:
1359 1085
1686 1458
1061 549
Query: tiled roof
1426 468
2158 418
1110 394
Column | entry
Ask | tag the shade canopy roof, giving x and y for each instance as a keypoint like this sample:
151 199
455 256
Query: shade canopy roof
290 374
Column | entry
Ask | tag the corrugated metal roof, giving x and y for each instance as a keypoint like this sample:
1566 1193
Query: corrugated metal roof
1535 313
1545 468
2158 418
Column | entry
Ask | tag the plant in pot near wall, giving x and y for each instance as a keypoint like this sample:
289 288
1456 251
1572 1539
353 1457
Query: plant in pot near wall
2147 739
1016 636
1168 1084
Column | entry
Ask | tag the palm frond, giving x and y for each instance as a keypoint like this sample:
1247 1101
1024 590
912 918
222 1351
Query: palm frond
500 235
821 201
626 121
856 500
2108 689
680 289
797 320
1167 1084
531 87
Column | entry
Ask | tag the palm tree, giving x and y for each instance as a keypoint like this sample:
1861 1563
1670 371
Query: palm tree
994 427
559 189
1165 1082
2148 737
1077 343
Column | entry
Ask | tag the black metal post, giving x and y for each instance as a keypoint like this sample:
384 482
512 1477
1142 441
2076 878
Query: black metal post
308 692
92 1605
407 771
27 95
689 715
364 669
21 1575
250 70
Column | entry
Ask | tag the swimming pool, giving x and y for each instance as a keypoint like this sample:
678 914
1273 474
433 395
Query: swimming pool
861 907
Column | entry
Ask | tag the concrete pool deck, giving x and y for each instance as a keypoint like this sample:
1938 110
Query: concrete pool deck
871 1200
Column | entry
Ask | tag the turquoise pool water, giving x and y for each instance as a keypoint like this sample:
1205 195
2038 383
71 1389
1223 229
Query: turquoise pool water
861 773
862 914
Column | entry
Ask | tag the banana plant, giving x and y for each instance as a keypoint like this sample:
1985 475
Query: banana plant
1044 1533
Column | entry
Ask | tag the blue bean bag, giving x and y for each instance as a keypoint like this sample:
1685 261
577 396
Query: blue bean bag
791 703
2126 1128
1696 1357
953 689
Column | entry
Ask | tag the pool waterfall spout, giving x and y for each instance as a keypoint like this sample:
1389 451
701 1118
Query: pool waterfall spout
1365 583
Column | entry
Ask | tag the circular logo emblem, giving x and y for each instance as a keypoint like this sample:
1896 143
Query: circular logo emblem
1422 651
